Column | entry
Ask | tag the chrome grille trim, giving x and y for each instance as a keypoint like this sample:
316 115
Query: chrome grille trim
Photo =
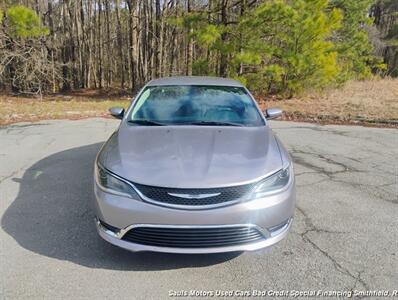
123 231
223 196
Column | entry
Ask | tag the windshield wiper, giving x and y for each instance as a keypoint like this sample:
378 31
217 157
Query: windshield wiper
146 122
212 123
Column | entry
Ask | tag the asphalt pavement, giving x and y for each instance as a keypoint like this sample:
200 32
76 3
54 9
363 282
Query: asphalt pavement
344 236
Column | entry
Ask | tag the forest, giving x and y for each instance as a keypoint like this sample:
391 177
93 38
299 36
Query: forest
273 46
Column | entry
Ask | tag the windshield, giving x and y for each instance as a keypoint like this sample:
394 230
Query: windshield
195 105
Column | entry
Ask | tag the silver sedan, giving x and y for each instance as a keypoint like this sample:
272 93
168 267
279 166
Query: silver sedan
193 168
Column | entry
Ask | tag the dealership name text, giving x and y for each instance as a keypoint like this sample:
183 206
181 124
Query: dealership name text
282 293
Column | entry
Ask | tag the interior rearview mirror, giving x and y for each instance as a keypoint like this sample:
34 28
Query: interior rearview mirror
117 112
273 113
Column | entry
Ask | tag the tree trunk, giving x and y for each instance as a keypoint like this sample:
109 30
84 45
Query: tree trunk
120 44
224 57
131 9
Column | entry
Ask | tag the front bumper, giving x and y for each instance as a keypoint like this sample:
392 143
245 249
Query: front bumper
126 213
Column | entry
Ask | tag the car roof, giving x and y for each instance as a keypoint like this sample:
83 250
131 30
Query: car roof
194 80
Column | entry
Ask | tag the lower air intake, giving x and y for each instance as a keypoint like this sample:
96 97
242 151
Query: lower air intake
205 237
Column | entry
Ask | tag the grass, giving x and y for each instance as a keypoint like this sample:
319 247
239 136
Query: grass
19 109
365 102
358 102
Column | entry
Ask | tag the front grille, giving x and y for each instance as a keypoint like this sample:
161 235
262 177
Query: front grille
204 237
226 194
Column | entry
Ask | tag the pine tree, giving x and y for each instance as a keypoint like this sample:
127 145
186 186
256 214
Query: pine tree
355 53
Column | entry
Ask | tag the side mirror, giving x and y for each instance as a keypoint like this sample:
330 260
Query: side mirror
273 113
117 112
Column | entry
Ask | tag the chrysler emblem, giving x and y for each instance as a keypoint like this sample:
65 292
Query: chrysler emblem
194 196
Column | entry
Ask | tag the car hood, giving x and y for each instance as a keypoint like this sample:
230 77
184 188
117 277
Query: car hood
191 156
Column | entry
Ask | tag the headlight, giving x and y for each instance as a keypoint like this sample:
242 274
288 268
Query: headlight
270 184
113 184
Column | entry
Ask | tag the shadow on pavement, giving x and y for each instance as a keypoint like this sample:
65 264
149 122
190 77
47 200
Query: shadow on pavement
52 216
